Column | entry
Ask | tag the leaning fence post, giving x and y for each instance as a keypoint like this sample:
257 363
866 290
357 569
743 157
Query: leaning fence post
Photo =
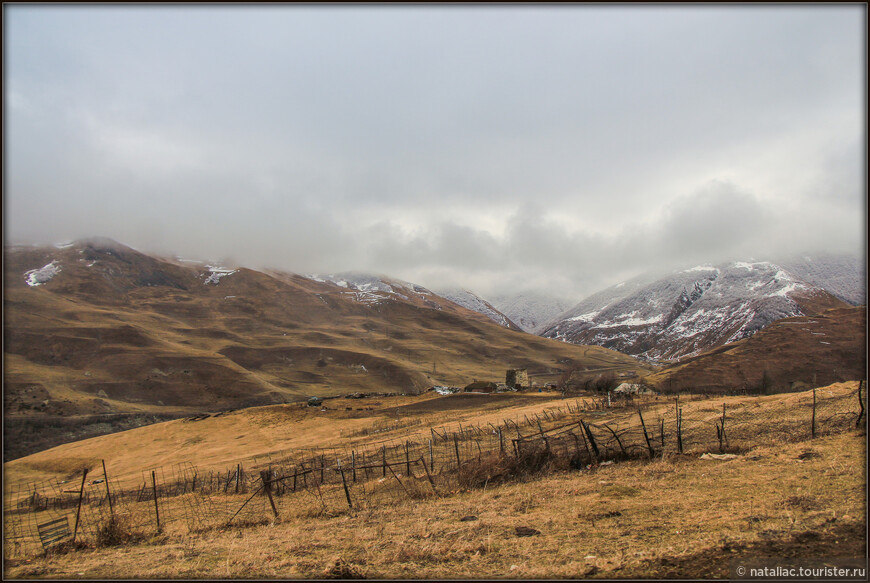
645 434
79 508
267 488
428 475
156 507
594 445
400 482
108 493
344 483
619 441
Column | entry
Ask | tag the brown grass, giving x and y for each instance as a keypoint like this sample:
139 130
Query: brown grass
678 516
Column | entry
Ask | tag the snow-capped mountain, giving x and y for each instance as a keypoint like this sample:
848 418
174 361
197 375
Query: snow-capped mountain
688 311
472 301
530 310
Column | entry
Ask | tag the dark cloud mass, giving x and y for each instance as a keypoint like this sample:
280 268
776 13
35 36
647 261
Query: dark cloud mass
513 147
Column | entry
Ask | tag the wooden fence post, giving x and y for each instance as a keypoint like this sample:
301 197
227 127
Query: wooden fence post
860 404
429 476
267 488
238 476
431 456
645 434
662 432
108 493
353 465
384 452
407 459
594 445
156 507
680 430
344 483
79 508
814 414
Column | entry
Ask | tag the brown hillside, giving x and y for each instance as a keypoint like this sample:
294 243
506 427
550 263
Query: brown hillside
118 332
791 354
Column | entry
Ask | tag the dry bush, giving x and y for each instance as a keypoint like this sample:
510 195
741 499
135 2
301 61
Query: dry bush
494 468
116 532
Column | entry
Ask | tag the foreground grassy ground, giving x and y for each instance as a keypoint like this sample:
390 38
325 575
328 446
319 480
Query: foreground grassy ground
674 517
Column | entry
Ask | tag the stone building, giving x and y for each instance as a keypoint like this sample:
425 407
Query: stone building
517 378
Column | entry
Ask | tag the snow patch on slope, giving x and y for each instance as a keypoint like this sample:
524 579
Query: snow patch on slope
42 275
216 274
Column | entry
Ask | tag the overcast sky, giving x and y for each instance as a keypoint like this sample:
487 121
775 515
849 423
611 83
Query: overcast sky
564 147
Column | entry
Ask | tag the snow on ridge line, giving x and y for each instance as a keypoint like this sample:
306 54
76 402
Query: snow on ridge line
751 266
216 274
701 268
42 275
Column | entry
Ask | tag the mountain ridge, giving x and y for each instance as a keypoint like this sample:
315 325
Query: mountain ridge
690 310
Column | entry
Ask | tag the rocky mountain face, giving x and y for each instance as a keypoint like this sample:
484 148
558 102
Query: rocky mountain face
687 312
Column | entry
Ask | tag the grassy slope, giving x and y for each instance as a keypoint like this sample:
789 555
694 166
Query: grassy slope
673 517
239 435
134 334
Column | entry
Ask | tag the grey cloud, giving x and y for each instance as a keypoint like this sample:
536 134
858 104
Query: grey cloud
605 140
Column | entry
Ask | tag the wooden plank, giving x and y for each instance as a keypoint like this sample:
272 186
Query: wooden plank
53 531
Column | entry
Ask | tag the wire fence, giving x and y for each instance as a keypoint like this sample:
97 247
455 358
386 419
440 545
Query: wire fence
577 434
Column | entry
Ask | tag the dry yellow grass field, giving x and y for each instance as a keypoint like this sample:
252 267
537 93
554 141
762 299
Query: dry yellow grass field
673 516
